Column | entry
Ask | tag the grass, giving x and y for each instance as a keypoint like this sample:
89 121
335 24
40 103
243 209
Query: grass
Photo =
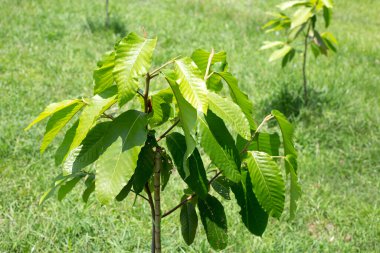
48 50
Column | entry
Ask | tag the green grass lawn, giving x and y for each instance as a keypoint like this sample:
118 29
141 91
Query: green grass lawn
48 50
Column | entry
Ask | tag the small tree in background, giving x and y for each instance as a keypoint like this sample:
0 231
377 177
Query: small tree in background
302 25
132 131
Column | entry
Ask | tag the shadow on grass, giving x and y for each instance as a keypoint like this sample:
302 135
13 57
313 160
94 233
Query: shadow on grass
291 103
115 25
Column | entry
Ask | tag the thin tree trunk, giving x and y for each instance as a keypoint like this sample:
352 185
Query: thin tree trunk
305 94
157 201
107 15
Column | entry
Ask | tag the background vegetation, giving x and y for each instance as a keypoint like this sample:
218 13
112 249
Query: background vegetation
48 50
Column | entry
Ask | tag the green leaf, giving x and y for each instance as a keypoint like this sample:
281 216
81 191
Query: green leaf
267 182
67 187
288 57
58 181
295 188
133 59
315 49
294 32
318 40
290 4
222 186
330 41
90 188
103 75
328 3
327 13
214 222
96 106
270 44
301 16
268 143
57 122
161 107
231 113
63 149
188 118
280 53
166 171
117 164
197 179
189 222
191 83
253 215
240 98
287 133
125 191
224 159
90 149
145 164
51 109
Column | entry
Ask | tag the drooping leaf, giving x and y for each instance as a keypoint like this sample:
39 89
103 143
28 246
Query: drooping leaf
224 159
295 188
197 179
214 222
90 188
189 222
166 171
67 187
145 164
96 106
288 57
253 215
133 59
57 122
318 40
280 52
231 114
161 107
327 13
103 75
188 118
63 149
270 44
191 83
301 16
90 149
330 41
222 186
240 98
118 162
267 181
51 109
290 4
125 191
328 3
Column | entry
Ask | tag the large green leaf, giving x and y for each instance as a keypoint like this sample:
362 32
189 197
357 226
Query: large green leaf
222 186
214 222
51 109
133 59
287 135
96 106
268 143
224 159
188 118
327 13
189 222
161 107
191 83
64 148
197 179
239 97
67 187
295 188
89 151
231 114
103 75
253 215
301 16
145 164
267 181
57 122
117 164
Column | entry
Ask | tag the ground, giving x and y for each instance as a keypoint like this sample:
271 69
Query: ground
48 50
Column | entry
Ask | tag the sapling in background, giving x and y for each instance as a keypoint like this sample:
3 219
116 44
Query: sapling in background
141 122
301 28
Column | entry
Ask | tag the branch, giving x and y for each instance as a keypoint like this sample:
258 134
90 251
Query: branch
142 196
108 116
157 70
146 93
167 131
189 198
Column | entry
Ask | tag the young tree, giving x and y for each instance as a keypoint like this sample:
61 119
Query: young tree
117 150
303 25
